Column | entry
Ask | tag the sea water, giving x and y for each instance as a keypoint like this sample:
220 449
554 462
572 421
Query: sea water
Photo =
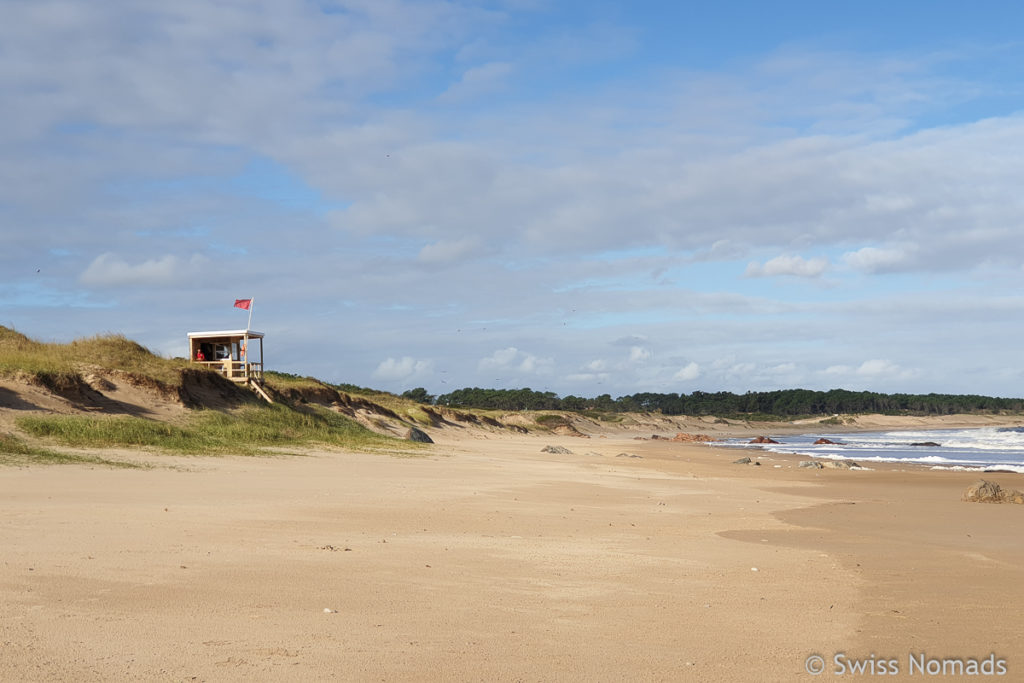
960 449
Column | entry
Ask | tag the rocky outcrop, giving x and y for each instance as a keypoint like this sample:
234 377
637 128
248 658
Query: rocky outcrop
690 438
415 434
558 450
823 441
984 491
830 464
841 464
763 439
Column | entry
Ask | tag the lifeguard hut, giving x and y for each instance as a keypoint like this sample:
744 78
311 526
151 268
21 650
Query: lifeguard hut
232 354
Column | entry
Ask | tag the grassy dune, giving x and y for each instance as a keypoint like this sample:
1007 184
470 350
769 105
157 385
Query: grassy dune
247 430
21 356
405 408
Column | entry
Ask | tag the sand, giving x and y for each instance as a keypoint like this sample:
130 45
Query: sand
488 560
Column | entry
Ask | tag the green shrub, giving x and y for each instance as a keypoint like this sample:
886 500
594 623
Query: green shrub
551 421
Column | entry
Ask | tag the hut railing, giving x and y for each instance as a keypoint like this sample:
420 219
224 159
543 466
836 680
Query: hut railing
235 370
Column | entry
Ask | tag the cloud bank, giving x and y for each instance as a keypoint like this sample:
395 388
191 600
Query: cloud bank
481 194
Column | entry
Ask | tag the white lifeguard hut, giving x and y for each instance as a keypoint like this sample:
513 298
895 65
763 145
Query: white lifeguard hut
236 354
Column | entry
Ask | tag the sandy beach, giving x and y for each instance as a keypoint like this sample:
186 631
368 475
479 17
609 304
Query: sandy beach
487 559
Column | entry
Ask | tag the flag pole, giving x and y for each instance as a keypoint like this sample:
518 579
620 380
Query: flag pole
252 302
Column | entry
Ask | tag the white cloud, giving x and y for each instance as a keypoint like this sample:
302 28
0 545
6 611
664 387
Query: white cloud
532 364
477 81
404 368
512 359
630 340
878 367
782 369
447 251
788 265
878 260
687 373
500 358
587 377
108 270
639 354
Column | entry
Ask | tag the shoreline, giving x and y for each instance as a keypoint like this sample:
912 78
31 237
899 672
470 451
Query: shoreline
665 427
869 424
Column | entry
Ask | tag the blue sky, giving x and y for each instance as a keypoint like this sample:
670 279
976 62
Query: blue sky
580 197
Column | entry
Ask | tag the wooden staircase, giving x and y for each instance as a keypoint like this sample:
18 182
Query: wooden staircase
254 384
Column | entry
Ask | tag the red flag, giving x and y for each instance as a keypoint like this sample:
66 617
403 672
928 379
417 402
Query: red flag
243 303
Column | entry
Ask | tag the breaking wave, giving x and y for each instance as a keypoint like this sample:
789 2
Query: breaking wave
968 449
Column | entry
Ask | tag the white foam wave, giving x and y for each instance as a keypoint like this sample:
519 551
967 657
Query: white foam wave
986 438
963 468
973 449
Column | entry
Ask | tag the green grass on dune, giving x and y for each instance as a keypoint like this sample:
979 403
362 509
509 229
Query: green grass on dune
602 416
53 362
118 352
552 420
21 355
403 407
286 380
245 431
261 426
14 451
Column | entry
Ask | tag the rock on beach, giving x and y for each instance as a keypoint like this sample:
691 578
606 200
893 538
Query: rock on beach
416 434
984 491
687 438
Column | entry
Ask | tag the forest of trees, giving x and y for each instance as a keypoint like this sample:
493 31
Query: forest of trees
783 403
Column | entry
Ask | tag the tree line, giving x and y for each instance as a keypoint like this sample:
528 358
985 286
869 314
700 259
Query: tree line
783 402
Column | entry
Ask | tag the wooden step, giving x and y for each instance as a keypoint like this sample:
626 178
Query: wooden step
260 390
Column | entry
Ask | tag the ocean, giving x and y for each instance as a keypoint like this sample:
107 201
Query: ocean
958 449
